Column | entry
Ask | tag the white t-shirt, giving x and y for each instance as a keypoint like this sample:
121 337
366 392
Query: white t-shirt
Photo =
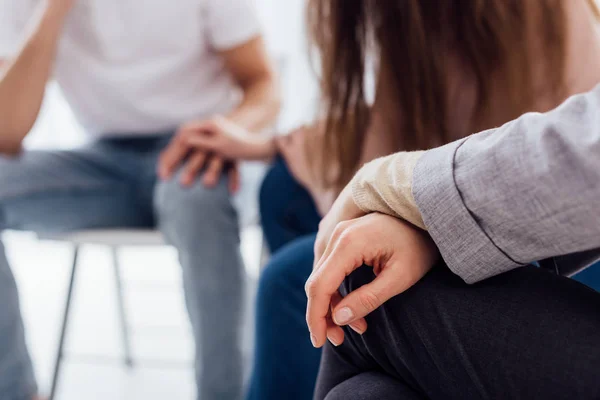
131 67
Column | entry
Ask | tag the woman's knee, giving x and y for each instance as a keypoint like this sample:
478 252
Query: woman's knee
284 276
372 385
273 190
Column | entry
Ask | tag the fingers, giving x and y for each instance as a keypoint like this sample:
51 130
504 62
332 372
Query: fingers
234 179
324 283
323 253
335 334
213 172
364 300
172 157
359 326
204 140
194 165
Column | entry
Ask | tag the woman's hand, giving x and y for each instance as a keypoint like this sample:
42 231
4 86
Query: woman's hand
211 146
343 209
227 139
399 253
293 147
301 150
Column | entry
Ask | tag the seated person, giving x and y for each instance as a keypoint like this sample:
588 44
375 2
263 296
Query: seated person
479 322
502 64
134 73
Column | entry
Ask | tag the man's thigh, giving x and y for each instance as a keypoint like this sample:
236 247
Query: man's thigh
523 334
53 191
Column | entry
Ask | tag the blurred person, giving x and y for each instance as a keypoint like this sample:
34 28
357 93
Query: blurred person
441 267
137 74
445 70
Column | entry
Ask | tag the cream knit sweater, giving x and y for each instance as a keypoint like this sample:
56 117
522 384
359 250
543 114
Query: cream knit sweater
384 185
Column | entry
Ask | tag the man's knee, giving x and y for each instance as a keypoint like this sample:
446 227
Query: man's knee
188 210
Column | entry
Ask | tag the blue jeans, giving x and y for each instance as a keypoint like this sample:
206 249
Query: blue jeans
590 277
285 362
112 183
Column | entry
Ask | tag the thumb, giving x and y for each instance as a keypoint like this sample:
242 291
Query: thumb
366 299
200 126
203 140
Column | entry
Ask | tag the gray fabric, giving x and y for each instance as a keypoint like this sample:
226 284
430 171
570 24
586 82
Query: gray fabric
526 191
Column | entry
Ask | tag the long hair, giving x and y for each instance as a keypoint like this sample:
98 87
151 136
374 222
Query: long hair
494 40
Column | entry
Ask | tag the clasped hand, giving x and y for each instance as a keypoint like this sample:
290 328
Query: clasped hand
399 253
207 147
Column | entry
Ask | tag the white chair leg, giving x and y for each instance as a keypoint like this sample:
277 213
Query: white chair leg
121 306
64 326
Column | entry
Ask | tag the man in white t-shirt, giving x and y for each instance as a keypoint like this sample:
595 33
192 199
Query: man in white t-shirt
135 72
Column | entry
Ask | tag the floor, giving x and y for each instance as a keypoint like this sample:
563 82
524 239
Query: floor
160 333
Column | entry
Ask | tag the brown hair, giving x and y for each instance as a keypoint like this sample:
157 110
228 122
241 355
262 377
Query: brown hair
490 38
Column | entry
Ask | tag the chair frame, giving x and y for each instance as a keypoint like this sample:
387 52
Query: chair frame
79 240
125 333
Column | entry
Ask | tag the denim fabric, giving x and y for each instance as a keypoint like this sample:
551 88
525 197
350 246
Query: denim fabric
112 183
285 363
590 276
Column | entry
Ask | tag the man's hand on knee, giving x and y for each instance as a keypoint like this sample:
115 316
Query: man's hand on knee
194 161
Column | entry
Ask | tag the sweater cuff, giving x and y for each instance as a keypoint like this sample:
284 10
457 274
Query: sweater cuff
464 246
384 186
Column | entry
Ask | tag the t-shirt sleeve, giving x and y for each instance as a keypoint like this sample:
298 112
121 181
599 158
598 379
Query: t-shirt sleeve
231 22
14 15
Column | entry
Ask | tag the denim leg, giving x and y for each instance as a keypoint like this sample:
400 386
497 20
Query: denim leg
17 380
51 191
287 210
285 362
590 277
202 224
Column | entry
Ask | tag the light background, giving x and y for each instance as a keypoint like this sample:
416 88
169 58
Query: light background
160 332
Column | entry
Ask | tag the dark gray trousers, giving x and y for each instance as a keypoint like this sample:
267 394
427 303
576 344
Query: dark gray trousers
526 334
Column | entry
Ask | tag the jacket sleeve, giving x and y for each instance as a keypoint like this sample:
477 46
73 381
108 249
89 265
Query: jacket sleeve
527 191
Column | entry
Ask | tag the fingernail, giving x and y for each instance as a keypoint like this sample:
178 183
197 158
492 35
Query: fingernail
343 316
313 339
333 342
356 329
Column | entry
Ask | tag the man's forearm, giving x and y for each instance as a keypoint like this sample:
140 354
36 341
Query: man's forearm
23 79
260 105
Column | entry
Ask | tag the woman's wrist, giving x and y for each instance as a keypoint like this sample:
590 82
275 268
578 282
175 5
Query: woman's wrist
262 149
323 199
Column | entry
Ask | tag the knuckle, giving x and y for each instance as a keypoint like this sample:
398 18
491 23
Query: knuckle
311 286
308 318
346 237
369 301
339 229
319 245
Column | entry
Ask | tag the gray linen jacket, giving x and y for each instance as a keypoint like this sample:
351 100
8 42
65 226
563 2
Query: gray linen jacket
524 192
